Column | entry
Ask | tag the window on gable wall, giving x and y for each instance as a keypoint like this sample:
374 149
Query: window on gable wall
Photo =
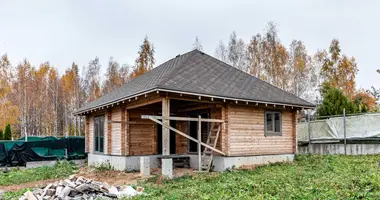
273 123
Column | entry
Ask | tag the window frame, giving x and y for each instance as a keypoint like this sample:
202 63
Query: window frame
97 147
272 133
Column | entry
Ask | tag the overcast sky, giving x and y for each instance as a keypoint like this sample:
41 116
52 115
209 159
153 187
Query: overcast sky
65 31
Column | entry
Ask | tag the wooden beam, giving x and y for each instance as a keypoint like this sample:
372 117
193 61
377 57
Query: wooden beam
191 99
198 107
130 122
143 103
182 118
165 130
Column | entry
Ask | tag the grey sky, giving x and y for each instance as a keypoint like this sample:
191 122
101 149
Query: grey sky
65 31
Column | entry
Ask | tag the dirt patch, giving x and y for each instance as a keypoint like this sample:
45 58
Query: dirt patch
33 184
111 177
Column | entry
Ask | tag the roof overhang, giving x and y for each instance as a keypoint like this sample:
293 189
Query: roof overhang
157 90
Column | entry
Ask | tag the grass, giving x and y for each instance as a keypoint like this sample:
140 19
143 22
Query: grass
309 177
16 176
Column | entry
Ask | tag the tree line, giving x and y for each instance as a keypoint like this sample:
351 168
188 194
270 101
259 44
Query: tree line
37 100
326 78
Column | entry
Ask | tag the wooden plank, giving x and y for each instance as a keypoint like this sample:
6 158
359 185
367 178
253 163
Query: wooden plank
109 132
144 102
181 118
123 131
165 130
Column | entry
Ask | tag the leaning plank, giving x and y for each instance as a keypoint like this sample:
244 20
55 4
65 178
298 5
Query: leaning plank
153 118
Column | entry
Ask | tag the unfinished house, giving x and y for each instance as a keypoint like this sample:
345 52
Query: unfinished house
192 111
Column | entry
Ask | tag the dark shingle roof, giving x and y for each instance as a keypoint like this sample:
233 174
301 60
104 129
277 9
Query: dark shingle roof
197 72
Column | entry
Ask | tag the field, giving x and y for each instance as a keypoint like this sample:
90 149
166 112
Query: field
309 177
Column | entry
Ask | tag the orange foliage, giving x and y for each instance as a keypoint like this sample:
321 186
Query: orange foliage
366 99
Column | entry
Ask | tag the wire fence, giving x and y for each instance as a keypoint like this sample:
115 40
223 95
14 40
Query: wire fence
352 129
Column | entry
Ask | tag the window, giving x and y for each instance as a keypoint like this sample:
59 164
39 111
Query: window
99 134
272 123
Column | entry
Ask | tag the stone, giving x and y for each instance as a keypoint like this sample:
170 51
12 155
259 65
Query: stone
82 188
58 190
67 182
65 192
113 191
50 192
47 197
127 192
30 196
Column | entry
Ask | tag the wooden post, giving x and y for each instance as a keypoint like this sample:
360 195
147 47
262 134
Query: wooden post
199 144
344 131
165 131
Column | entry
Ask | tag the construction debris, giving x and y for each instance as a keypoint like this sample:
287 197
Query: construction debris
79 188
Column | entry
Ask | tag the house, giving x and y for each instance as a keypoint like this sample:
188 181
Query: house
243 120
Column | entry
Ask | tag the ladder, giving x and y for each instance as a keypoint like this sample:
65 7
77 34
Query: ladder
212 140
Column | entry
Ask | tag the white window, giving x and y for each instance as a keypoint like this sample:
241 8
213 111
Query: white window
273 123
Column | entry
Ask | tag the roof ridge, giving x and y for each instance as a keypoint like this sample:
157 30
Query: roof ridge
263 81
180 65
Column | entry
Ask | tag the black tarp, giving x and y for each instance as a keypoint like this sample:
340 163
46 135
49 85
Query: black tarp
17 153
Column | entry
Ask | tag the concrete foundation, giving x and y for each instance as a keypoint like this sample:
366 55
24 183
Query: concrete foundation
144 166
221 163
328 148
167 167
122 163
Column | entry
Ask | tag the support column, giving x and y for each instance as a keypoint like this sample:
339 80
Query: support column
199 143
165 131
87 134
123 131
109 134
167 163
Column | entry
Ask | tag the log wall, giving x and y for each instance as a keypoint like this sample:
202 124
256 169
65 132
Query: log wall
142 139
246 132
115 139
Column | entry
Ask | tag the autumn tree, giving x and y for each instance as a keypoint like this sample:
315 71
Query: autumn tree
197 44
256 56
365 101
302 76
145 59
340 71
113 77
9 110
92 80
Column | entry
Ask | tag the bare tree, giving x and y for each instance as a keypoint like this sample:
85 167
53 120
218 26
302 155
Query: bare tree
197 44
221 52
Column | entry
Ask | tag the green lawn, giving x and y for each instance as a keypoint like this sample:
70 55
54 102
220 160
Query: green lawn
15 176
309 177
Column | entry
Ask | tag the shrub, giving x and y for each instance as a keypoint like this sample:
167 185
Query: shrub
7 133
1 134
